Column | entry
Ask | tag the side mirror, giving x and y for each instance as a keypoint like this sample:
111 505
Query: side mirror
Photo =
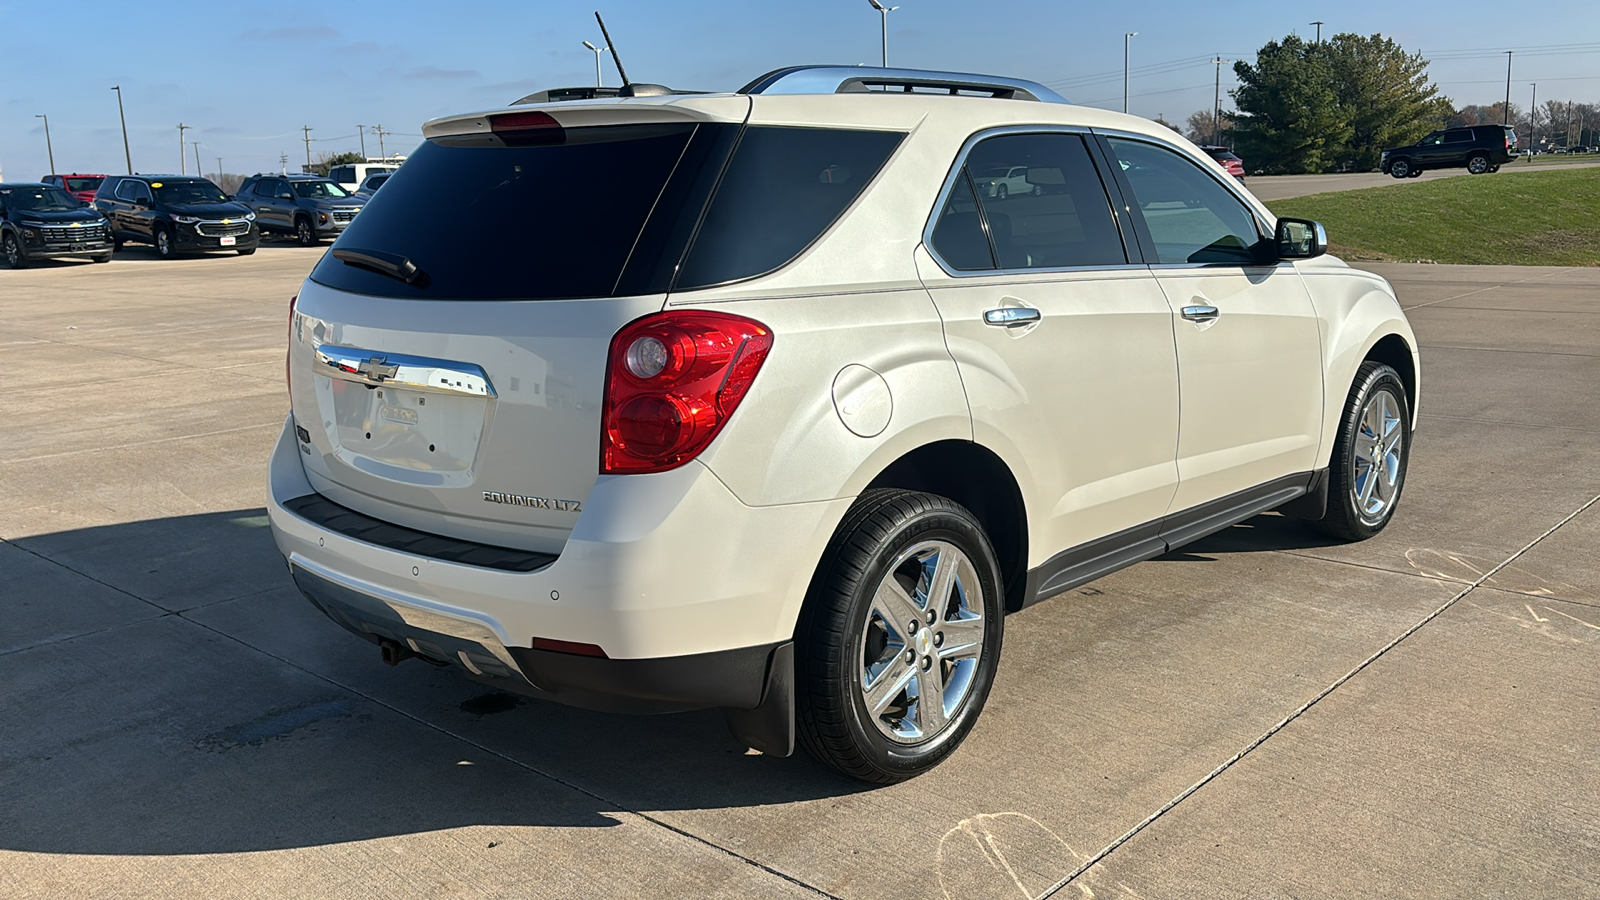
1301 239
285 195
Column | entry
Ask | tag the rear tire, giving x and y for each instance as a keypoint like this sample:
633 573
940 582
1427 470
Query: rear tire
890 680
1368 470
1400 168
1478 164
15 257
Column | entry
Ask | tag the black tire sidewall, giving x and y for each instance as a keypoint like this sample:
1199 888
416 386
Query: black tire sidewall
1342 517
156 240
941 520
10 244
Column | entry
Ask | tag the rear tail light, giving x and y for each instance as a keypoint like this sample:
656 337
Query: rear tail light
672 381
527 129
289 348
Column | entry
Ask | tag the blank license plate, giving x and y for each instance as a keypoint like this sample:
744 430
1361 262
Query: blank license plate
228 241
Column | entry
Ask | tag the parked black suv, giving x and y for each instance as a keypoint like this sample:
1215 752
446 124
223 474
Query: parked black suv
176 213
41 221
309 207
1479 149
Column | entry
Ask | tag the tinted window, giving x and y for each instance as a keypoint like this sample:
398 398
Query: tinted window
342 173
1190 216
184 192
1459 136
82 184
487 221
958 235
782 189
1059 216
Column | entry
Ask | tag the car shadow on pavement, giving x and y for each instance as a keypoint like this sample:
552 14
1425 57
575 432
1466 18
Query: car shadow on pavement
233 716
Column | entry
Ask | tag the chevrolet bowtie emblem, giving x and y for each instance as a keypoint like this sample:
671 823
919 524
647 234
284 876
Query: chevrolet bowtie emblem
376 369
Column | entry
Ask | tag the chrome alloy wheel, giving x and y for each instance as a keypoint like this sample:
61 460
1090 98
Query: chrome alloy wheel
1378 449
923 637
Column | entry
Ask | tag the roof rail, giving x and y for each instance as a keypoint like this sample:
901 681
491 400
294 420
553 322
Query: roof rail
858 79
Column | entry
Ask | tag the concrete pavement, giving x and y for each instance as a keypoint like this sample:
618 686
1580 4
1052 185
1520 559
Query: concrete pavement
1262 714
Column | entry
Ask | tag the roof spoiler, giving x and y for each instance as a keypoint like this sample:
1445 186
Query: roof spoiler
861 79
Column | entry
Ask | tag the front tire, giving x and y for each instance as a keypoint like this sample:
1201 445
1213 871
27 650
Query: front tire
246 251
101 258
1000 193
1478 164
900 637
164 248
304 233
1368 469
15 257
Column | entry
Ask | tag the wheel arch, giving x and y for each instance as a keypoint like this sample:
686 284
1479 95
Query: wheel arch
978 479
1392 350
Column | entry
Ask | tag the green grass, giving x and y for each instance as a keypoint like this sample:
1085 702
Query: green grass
1545 218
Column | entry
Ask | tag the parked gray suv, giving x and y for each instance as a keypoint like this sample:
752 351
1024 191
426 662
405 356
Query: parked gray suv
309 207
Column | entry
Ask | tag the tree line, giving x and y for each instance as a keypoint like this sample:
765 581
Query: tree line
1335 105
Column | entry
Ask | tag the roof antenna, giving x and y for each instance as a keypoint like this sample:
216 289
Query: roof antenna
629 89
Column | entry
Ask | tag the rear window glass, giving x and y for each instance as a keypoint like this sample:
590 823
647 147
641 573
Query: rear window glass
484 221
783 188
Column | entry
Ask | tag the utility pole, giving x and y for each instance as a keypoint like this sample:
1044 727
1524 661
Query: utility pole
1508 89
1126 41
884 11
307 130
126 153
47 147
378 130
196 145
283 163
1216 107
361 132
1533 112
1319 31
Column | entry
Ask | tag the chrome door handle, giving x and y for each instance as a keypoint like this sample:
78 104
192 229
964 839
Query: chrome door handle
1201 313
1011 316
417 373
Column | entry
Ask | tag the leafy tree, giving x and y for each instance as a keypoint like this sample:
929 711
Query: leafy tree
1383 94
1200 128
1493 114
1290 118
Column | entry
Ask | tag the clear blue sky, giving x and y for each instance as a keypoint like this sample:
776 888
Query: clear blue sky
247 78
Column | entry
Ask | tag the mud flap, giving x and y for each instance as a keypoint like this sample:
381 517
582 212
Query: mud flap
770 727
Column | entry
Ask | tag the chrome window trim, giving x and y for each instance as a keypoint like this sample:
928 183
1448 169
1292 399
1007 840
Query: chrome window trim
954 174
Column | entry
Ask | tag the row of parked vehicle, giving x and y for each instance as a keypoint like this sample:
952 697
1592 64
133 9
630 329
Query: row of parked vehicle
77 215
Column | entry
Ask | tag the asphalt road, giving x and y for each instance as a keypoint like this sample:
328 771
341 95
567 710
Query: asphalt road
1280 187
1259 715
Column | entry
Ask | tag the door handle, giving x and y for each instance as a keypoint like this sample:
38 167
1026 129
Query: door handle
1200 313
1011 316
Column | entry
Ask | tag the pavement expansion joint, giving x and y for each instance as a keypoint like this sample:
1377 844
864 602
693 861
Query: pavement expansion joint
619 807
1228 763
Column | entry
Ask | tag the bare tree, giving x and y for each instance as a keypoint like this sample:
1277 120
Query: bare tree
1201 128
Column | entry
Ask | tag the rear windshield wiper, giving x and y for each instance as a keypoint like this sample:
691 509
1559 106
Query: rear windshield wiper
393 265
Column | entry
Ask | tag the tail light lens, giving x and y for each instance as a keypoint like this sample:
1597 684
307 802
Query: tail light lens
672 381
289 348
527 129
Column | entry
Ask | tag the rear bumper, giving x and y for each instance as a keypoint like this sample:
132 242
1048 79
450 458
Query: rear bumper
690 593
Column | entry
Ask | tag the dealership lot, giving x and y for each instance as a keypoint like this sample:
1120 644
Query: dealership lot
176 721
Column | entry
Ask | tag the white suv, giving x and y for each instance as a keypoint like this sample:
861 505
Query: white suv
757 401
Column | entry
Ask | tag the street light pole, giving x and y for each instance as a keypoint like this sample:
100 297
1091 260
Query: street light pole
126 153
361 132
1319 31
884 11
1533 113
47 147
196 145
1127 39
1507 117
597 51
219 171
182 163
